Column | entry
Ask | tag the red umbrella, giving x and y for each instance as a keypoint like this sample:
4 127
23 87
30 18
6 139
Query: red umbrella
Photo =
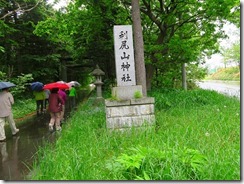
56 85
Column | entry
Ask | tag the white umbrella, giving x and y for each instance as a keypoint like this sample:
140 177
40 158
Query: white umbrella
74 83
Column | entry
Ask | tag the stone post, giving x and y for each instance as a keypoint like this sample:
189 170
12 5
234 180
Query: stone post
98 74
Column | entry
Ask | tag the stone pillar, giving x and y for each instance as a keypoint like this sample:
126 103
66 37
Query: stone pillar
99 88
98 74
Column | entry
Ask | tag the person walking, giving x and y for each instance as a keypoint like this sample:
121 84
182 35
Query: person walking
63 95
39 97
55 107
6 114
72 97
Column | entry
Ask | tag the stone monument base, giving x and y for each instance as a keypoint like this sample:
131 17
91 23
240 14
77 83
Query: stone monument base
130 113
126 92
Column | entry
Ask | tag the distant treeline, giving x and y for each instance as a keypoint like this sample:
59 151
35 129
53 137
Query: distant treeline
230 73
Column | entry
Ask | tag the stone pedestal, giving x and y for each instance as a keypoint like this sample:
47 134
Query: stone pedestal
126 92
99 88
130 113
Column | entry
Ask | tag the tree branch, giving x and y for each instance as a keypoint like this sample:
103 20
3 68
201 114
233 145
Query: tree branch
20 9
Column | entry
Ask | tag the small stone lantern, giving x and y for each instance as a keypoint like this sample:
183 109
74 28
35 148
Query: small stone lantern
98 74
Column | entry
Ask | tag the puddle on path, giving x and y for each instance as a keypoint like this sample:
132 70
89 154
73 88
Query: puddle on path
18 152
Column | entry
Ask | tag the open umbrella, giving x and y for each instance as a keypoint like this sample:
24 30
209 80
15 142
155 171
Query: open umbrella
74 83
62 82
36 86
6 85
56 85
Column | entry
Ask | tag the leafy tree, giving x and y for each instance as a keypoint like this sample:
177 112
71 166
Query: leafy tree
181 31
232 54
24 51
85 29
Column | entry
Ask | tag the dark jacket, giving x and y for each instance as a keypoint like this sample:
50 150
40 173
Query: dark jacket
55 102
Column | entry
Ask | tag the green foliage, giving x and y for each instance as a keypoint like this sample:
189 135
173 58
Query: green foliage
1 49
25 52
230 73
114 98
167 99
172 78
23 107
22 82
138 94
146 163
2 76
232 54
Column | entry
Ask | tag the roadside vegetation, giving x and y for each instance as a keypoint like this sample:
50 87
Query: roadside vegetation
230 74
196 137
21 108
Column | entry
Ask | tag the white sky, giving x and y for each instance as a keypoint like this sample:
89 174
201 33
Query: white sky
234 35
60 4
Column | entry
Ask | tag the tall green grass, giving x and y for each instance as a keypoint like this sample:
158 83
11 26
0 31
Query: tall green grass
23 107
196 137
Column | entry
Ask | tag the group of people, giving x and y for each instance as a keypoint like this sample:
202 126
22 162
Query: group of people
54 101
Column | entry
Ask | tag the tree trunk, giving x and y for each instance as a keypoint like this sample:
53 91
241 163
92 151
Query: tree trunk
139 47
184 84
149 75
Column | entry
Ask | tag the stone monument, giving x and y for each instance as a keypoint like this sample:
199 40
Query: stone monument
127 108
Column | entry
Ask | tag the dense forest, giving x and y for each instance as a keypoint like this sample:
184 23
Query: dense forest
40 43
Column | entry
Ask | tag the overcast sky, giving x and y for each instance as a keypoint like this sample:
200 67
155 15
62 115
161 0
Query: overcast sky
234 35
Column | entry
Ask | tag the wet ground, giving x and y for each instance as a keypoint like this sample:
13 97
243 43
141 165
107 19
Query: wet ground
230 88
18 152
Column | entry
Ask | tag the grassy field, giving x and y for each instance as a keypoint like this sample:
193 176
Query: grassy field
196 137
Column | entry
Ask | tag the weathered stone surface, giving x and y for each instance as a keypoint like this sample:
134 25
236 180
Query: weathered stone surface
129 113
126 92
130 110
144 100
113 103
135 121
124 55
